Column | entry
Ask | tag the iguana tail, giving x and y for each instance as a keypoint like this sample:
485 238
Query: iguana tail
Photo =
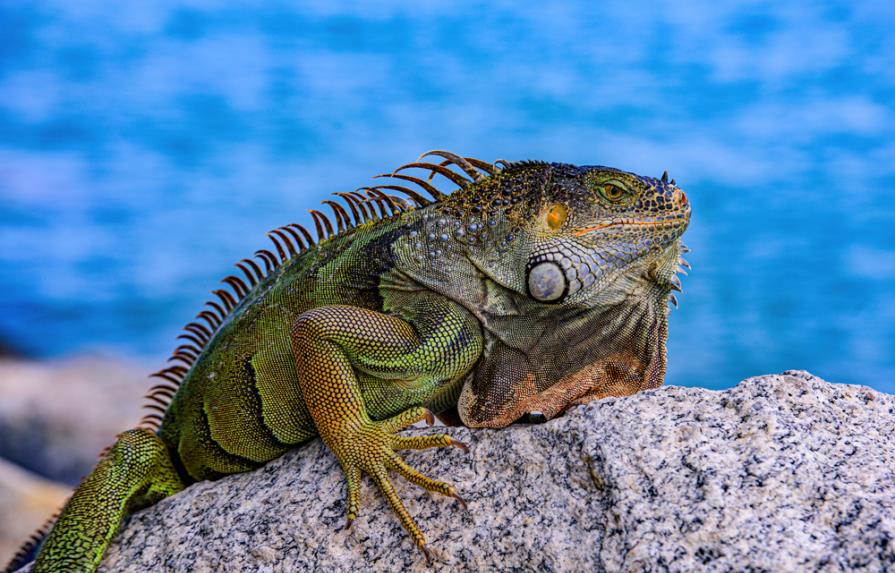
136 472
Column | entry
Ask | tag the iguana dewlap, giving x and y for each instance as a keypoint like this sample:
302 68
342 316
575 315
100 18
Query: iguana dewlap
532 287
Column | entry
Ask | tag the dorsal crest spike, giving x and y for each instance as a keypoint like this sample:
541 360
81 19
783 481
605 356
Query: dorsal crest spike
193 334
169 377
280 250
417 199
186 360
455 177
295 237
454 159
380 204
163 393
248 274
318 225
173 374
192 338
198 326
256 275
166 376
237 285
488 168
665 176
210 318
163 388
376 192
342 220
307 234
158 400
189 349
284 238
321 222
445 163
156 407
222 314
424 185
402 203
159 395
351 202
151 421
369 212
178 370
199 330
372 202
226 298
270 261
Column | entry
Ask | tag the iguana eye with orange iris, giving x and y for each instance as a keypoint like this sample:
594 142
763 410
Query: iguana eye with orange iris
557 216
612 192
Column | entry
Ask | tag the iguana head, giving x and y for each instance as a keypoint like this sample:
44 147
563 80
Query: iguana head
576 265
589 226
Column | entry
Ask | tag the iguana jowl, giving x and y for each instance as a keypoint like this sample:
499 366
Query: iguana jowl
532 287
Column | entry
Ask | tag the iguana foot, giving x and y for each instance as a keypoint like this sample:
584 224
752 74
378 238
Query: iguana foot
371 448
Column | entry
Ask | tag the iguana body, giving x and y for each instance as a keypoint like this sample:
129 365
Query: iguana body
531 288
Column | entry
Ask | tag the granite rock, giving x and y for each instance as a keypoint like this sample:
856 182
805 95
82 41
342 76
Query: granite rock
56 417
781 473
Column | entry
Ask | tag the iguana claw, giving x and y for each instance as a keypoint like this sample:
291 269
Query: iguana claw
460 445
461 501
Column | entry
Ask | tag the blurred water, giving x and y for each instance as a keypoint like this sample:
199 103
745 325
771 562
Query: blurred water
145 146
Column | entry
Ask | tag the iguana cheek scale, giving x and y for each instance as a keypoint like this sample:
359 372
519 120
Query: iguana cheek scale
532 287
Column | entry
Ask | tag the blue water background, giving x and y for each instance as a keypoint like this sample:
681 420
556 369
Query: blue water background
146 146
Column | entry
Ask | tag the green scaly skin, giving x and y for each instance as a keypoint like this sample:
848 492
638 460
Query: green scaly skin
533 287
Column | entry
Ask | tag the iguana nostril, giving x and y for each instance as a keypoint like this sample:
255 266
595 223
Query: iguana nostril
547 282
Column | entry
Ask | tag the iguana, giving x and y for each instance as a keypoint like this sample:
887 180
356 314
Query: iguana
532 287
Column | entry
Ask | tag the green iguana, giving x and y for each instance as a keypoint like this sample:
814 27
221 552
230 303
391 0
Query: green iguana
532 287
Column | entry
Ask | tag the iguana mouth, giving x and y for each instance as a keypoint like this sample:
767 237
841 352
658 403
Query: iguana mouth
633 223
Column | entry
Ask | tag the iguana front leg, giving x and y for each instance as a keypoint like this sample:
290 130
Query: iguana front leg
425 357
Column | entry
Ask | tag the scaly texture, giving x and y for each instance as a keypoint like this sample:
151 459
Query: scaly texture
532 287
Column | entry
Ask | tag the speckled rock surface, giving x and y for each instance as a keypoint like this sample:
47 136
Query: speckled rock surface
781 473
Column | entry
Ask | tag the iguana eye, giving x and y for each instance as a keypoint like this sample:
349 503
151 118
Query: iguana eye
557 216
612 193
